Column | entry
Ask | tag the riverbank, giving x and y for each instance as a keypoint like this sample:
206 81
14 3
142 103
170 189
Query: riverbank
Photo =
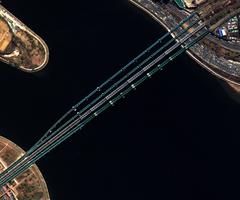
213 68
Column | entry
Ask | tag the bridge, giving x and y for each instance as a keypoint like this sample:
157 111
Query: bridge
141 68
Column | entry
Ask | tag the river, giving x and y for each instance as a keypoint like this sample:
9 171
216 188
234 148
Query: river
176 136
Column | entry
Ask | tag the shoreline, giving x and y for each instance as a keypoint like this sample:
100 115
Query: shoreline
194 57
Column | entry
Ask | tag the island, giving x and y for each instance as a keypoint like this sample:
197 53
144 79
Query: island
219 51
19 45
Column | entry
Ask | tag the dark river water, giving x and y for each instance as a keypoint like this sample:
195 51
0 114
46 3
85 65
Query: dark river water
175 137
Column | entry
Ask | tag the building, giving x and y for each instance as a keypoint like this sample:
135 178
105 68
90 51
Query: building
180 3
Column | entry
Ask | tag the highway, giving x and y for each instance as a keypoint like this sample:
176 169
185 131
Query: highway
216 64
